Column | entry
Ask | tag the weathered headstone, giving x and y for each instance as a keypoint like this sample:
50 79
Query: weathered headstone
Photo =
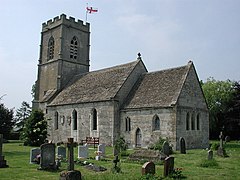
101 148
3 163
210 154
166 148
221 151
35 155
227 139
148 168
182 145
71 174
168 166
47 160
61 152
83 152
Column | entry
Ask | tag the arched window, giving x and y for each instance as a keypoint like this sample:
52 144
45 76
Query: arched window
156 123
198 121
51 48
193 121
74 115
94 119
128 124
187 121
74 48
56 120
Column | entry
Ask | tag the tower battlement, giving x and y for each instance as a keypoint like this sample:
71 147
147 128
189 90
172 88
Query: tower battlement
63 20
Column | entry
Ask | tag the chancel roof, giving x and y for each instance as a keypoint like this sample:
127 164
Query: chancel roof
158 89
95 86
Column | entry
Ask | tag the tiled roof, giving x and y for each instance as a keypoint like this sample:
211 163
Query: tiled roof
158 89
95 86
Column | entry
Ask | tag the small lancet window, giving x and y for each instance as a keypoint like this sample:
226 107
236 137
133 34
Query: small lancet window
56 120
193 121
127 124
74 48
74 115
198 121
51 48
156 123
94 119
187 121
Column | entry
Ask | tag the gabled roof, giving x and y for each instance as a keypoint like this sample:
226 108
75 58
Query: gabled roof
159 89
95 86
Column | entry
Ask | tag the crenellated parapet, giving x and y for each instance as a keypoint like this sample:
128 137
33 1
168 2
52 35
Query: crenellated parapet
63 20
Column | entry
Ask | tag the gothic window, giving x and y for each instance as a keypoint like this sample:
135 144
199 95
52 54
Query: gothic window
128 124
74 48
193 121
94 119
187 121
74 115
156 123
198 121
51 48
56 120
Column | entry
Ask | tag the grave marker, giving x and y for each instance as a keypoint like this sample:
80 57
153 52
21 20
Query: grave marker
47 159
210 154
61 152
3 163
166 148
83 152
168 166
34 155
148 168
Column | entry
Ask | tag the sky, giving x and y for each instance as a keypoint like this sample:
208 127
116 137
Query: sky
168 33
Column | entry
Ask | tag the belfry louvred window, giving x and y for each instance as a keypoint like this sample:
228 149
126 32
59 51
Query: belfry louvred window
51 48
74 48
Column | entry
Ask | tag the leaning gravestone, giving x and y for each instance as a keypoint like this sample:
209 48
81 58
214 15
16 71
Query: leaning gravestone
83 152
168 166
221 151
182 145
3 163
34 153
61 152
47 160
101 148
166 148
148 168
210 154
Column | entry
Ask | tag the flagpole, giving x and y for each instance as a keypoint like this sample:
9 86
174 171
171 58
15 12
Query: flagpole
86 12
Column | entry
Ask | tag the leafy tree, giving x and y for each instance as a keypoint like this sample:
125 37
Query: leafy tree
22 114
6 121
218 95
35 129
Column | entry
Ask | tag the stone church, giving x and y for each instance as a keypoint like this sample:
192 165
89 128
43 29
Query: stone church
124 100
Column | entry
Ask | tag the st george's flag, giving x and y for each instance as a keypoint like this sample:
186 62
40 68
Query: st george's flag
90 10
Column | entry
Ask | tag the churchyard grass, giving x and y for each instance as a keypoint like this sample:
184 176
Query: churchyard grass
17 157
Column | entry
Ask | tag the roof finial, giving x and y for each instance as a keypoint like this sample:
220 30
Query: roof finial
139 56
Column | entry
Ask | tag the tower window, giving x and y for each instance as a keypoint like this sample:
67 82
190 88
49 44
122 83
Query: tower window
74 114
187 121
94 119
74 48
51 48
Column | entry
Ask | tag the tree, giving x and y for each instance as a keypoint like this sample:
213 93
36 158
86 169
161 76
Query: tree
35 129
22 114
6 121
218 95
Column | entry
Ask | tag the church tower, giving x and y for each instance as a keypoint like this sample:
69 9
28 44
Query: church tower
64 52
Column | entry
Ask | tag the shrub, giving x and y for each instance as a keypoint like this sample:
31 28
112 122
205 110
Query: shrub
121 146
215 146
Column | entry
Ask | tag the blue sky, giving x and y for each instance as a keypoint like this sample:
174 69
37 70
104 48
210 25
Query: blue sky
168 33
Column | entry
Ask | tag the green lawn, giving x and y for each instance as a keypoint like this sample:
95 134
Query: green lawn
17 157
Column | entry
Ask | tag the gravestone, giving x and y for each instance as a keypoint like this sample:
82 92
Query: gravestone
3 163
148 168
227 139
166 148
168 166
210 154
101 147
35 155
71 174
83 152
47 159
221 151
182 145
61 152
